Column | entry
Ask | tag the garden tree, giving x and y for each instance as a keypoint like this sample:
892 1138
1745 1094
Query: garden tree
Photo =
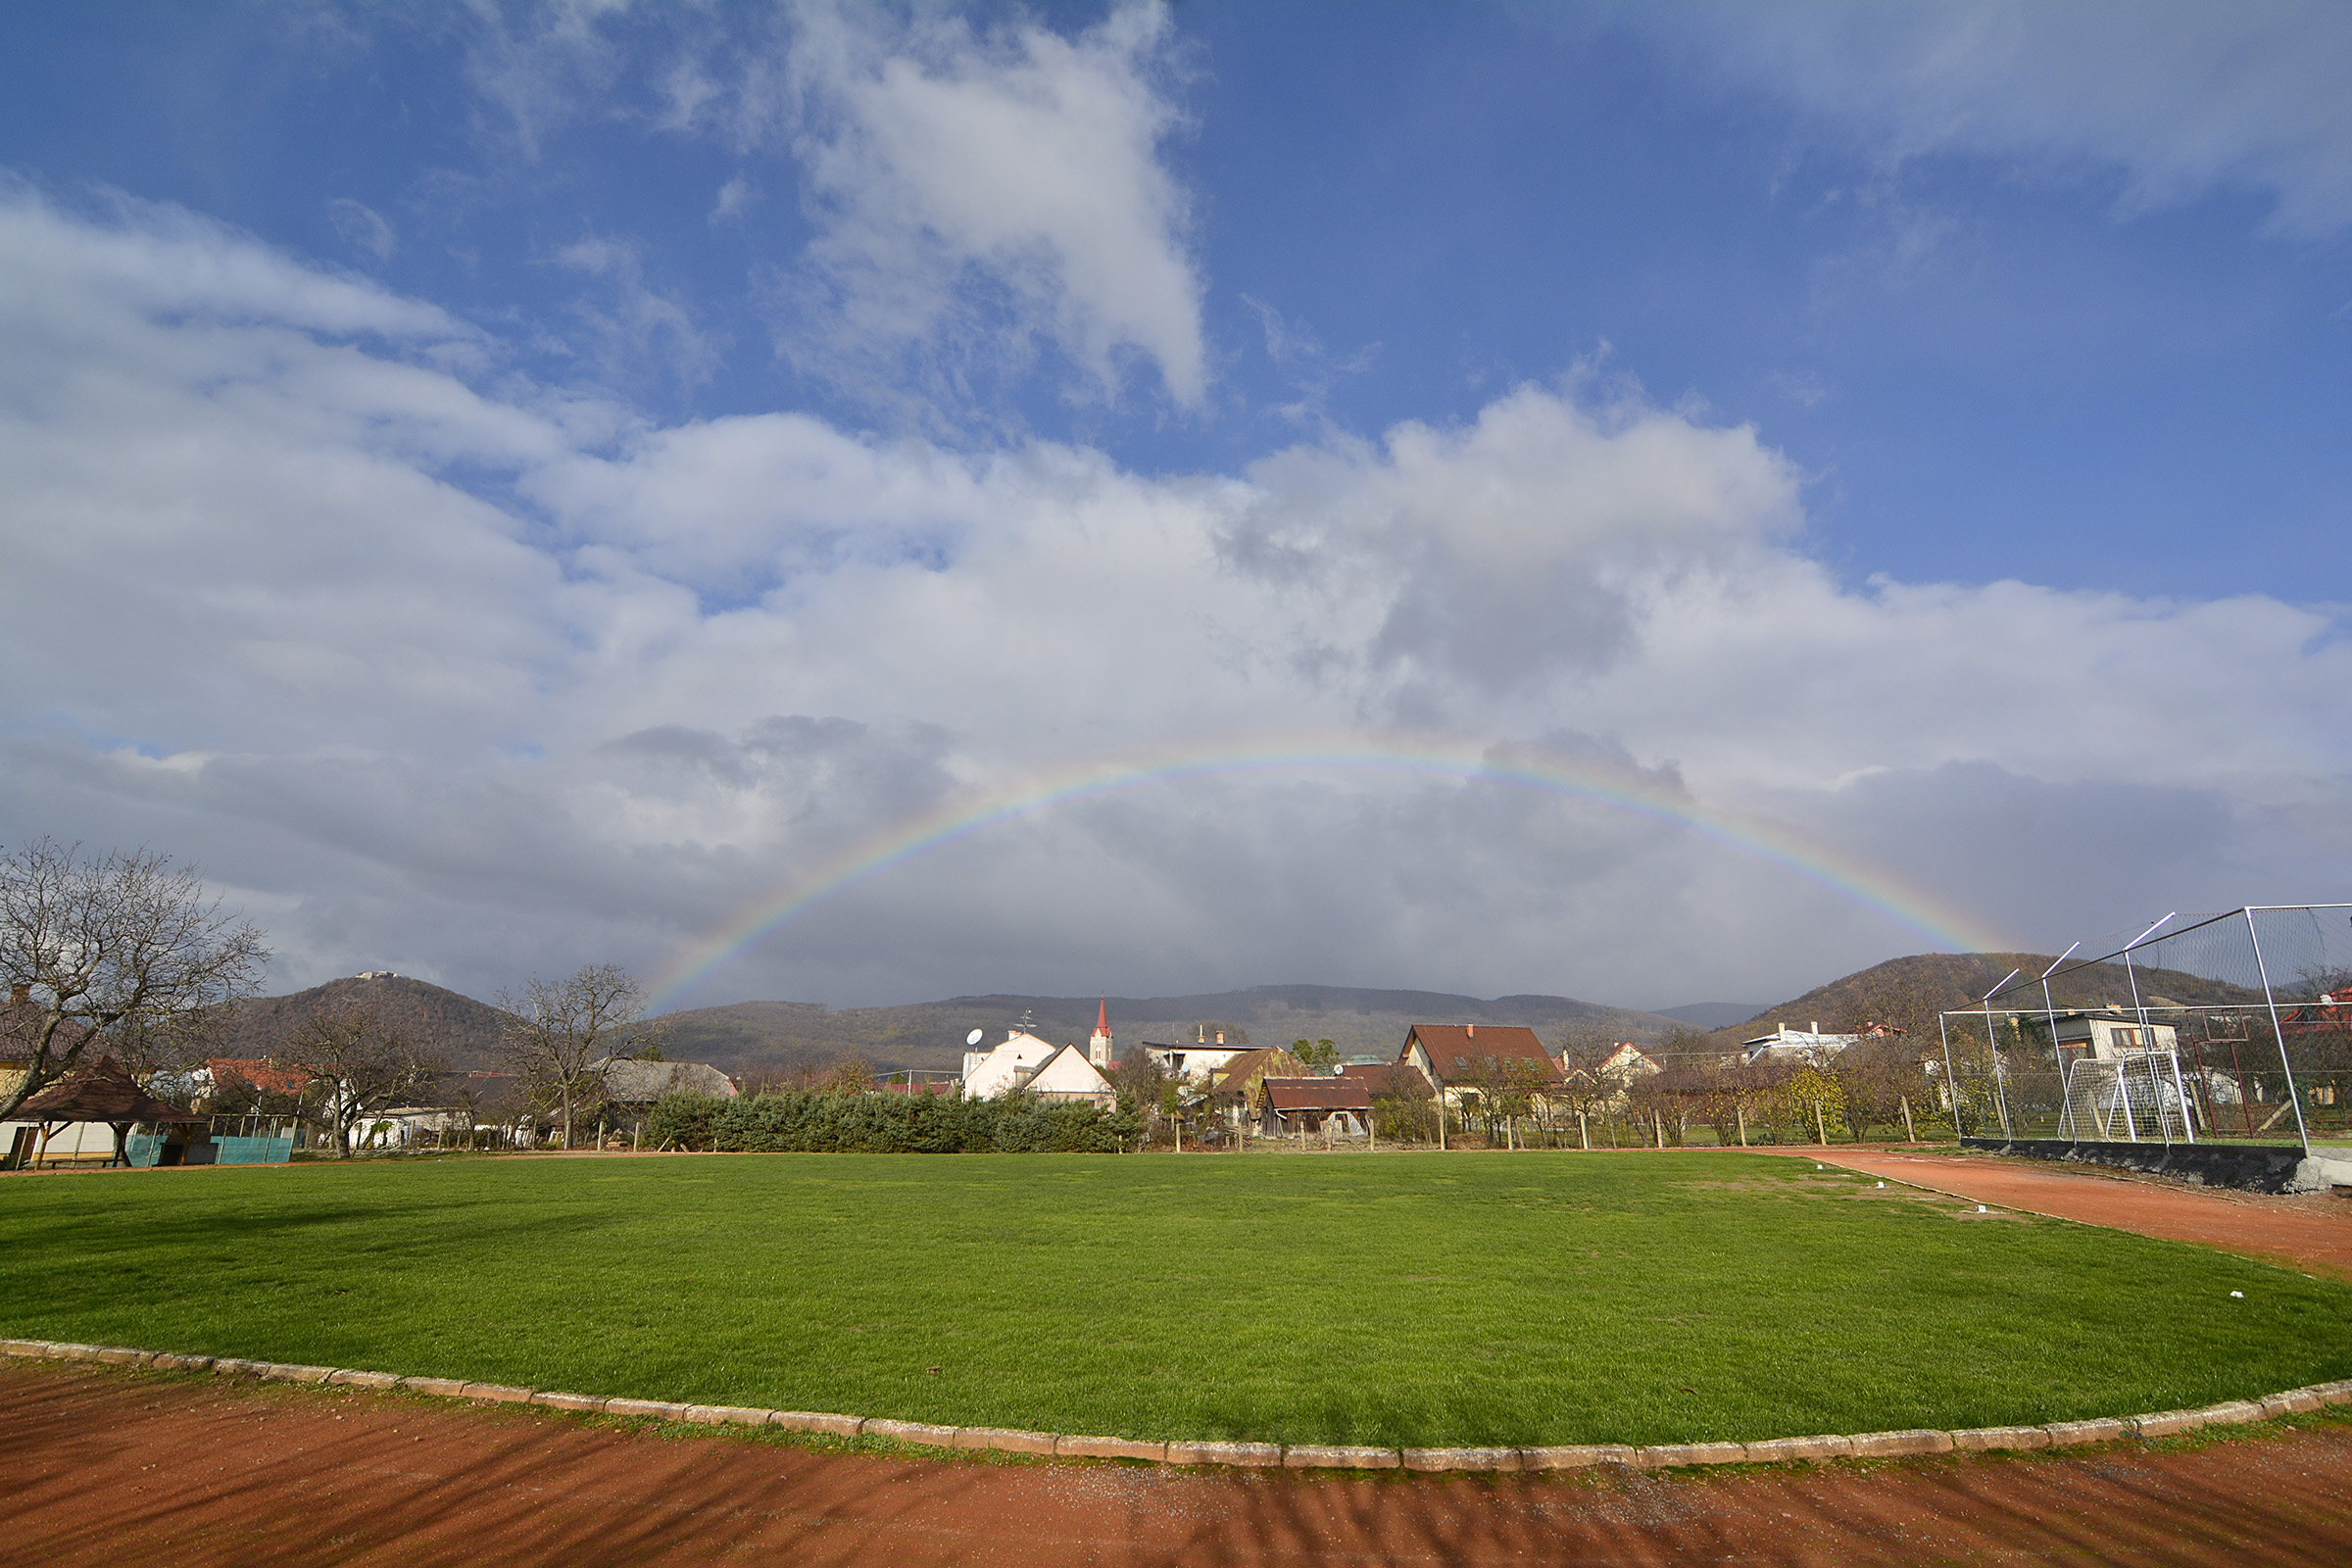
1138 1084
1877 1076
1405 1109
359 1065
1811 1099
121 950
1316 1057
851 1074
560 1032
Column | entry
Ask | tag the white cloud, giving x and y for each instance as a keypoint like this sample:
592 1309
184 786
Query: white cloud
473 682
2179 98
998 184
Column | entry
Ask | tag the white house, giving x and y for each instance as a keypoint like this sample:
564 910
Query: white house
1196 1060
1783 1044
1068 1075
1007 1067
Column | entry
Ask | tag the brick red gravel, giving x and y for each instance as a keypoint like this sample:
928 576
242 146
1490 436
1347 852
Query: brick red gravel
106 1466
2313 1231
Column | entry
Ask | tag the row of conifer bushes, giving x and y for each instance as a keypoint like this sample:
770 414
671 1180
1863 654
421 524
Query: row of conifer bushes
812 1121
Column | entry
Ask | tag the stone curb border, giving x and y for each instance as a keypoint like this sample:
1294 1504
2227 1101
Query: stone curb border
1290 1456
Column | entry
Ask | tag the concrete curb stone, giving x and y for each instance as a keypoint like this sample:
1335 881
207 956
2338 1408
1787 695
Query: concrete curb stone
1075 1447
349 1379
1900 1445
1461 1458
2074 1433
717 1415
1979 1440
1257 1454
1005 1440
1335 1456
659 1409
580 1403
1671 1455
445 1388
2165 1423
922 1432
1339 1456
1577 1456
1782 1450
496 1394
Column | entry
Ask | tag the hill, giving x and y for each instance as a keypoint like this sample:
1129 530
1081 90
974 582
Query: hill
460 1031
1911 990
1710 1015
762 1037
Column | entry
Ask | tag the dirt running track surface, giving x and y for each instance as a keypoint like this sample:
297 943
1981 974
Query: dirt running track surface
100 1466
2312 1231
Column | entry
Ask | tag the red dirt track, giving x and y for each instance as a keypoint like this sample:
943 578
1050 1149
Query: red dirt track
99 1466
2314 1232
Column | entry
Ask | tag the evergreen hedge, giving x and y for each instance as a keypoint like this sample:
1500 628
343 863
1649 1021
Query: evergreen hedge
816 1122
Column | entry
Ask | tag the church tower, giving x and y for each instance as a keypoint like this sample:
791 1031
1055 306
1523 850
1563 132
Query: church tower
1097 1044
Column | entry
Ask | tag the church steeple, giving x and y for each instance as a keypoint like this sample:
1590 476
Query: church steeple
1097 1045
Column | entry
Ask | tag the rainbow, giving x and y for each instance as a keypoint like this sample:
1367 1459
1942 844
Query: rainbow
1841 874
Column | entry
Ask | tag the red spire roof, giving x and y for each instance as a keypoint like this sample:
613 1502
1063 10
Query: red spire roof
1102 1018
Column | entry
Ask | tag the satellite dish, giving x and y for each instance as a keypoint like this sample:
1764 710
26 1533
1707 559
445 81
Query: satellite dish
972 1039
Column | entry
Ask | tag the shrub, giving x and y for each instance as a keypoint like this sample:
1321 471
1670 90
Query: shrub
809 1122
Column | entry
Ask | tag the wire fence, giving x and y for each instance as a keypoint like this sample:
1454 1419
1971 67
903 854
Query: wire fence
2229 1027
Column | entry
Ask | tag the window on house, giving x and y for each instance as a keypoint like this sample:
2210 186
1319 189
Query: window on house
1461 1061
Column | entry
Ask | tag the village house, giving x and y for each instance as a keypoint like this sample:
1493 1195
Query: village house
1199 1059
1023 1064
1340 1107
1459 1058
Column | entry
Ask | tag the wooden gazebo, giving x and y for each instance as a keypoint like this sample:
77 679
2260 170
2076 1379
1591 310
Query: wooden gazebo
99 1091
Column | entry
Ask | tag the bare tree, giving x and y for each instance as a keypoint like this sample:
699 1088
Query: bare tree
101 945
358 1063
561 1032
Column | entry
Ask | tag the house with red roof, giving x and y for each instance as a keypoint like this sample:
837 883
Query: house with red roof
1479 1058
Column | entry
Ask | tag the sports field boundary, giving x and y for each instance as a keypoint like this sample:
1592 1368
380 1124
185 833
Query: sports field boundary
1292 1456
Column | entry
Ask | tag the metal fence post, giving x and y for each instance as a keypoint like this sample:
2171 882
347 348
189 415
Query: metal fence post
2278 1030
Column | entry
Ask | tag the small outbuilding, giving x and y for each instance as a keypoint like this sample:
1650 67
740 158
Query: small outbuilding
98 1093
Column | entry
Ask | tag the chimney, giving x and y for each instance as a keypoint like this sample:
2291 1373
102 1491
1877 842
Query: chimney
1220 1036
1814 1027
1470 1030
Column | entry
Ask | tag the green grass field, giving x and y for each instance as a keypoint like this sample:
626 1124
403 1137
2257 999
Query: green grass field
1420 1299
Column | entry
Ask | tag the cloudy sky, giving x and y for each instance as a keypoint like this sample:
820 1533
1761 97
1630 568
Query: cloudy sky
509 487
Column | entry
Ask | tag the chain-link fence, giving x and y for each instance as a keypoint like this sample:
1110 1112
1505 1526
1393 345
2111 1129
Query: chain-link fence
2231 1027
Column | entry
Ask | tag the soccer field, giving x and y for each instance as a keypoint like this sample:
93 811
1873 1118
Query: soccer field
1401 1301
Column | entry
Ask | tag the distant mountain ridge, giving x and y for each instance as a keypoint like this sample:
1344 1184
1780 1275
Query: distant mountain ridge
1711 1015
773 1038
779 1036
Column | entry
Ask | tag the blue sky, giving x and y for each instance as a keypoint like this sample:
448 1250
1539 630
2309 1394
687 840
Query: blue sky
656 450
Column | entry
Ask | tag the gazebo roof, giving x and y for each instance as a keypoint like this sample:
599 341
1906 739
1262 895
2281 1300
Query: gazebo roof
99 1091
